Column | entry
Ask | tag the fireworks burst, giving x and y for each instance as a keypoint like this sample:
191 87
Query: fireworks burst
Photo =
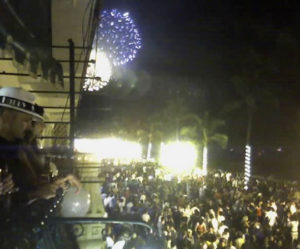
118 37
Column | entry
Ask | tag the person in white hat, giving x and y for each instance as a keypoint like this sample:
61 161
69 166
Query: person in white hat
18 111
18 114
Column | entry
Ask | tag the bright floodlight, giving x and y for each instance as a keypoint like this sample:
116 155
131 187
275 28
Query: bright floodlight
178 157
109 148
101 68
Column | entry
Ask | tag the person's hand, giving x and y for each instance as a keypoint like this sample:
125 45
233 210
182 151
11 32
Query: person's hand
7 185
71 179
45 191
48 191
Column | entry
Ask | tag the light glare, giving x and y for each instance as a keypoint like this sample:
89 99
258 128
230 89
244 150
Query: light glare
204 169
178 157
109 148
102 69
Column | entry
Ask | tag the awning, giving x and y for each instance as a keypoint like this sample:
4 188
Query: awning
19 43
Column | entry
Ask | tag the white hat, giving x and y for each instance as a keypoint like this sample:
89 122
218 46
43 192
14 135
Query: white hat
20 100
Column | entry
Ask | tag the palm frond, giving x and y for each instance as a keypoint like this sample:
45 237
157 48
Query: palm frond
232 106
215 124
220 139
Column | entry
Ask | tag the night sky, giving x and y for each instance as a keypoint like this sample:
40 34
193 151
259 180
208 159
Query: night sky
202 45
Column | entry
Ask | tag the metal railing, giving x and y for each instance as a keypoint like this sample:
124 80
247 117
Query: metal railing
93 220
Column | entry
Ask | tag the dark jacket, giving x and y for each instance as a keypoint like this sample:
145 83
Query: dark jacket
10 163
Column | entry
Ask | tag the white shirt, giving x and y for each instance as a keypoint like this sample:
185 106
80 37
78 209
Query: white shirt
129 206
119 245
274 206
226 236
107 200
215 224
221 229
111 204
109 242
294 225
271 215
221 218
293 208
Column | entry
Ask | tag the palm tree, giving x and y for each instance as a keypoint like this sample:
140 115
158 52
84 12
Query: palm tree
203 131
150 132
162 125
250 85
173 115
145 130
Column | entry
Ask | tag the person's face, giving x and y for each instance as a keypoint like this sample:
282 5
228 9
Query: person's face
18 123
38 128
35 131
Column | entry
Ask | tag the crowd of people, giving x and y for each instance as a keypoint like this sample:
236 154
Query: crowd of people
211 212
214 211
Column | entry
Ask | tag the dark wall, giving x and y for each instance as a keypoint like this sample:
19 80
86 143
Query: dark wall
27 21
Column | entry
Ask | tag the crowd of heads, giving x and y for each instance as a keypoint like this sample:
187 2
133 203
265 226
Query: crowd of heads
214 211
